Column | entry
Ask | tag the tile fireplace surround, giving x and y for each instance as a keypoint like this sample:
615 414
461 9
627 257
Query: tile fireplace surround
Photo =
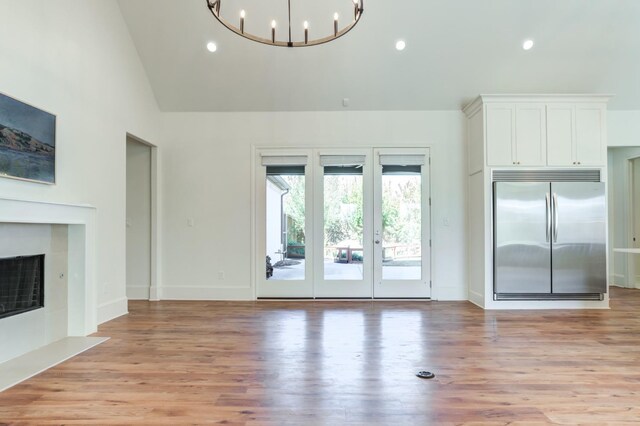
81 282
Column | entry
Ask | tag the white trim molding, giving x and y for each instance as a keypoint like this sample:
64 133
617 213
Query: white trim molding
112 310
207 293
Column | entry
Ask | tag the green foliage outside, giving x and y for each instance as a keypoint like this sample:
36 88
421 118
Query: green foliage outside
401 212
294 209
343 211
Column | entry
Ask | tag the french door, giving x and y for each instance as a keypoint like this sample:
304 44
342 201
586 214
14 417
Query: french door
402 235
343 223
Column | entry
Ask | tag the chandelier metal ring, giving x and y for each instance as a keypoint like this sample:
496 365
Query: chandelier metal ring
358 8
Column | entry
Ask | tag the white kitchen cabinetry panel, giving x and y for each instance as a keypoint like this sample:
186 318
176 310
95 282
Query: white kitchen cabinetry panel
516 134
531 135
576 134
500 121
560 134
590 138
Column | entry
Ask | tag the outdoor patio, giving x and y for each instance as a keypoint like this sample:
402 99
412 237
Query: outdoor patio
400 270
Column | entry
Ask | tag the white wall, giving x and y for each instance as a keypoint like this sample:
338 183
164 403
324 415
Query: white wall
138 220
623 128
207 176
75 59
30 330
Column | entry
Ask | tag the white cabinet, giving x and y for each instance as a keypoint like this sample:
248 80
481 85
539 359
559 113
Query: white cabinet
516 134
576 134
560 134
501 134
531 134
591 141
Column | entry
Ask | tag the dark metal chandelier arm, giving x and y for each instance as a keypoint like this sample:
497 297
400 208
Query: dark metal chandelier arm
214 8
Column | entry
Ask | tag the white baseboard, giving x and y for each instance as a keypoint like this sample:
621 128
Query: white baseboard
444 294
476 298
546 304
205 293
137 293
620 280
617 280
111 310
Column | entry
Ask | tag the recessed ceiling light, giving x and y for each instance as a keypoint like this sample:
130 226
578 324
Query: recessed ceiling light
400 45
527 45
211 47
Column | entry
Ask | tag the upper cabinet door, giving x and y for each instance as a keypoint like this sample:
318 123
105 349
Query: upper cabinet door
531 135
591 141
500 134
561 134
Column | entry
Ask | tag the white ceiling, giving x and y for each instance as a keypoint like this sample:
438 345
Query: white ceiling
456 49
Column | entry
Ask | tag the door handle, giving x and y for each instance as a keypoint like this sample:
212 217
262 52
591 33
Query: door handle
548 201
377 241
555 218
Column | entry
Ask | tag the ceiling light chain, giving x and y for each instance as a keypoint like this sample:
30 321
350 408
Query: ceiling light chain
358 6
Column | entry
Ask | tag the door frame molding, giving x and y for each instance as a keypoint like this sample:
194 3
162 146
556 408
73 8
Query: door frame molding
631 272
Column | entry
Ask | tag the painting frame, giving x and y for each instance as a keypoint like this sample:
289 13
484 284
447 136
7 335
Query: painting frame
23 156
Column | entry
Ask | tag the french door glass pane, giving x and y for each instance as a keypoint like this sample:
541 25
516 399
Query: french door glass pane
285 223
343 223
401 223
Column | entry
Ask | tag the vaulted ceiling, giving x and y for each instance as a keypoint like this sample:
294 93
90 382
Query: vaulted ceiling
456 49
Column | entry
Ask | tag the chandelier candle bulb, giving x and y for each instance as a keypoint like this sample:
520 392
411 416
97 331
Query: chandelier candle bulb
242 15
335 24
273 31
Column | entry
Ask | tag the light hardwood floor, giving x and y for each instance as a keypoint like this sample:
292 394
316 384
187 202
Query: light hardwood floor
334 363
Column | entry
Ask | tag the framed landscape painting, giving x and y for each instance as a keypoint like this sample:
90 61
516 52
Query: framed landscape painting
27 142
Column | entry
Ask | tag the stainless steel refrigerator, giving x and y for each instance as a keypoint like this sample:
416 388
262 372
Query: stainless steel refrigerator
549 240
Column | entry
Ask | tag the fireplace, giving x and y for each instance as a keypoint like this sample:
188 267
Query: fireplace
21 284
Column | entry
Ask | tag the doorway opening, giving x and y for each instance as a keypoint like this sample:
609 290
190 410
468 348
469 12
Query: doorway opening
634 220
624 216
140 219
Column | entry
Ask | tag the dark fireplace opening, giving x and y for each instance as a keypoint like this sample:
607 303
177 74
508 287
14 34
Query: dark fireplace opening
21 284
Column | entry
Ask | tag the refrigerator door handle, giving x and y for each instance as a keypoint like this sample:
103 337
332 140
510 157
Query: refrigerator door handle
555 217
548 201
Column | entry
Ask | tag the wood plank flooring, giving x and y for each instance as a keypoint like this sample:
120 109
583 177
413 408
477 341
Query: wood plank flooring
345 363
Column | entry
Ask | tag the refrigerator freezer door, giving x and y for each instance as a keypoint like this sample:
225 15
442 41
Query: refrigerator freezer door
579 240
522 232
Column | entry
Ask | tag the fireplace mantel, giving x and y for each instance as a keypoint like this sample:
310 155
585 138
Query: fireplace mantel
82 303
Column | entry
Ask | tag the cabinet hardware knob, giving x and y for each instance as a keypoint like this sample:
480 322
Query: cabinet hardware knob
579 162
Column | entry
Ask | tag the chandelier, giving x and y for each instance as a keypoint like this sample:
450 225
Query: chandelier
277 38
